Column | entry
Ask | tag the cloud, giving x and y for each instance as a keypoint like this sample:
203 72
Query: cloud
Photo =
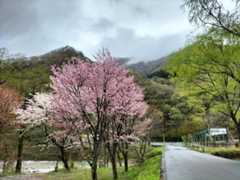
130 28
142 48
16 18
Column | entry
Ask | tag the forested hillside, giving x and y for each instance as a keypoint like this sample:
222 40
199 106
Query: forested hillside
185 90
31 75
207 71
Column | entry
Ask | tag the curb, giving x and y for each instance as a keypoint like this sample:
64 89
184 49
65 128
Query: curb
163 174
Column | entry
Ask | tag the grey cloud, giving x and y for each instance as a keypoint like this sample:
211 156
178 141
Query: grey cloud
144 48
16 17
136 28
102 25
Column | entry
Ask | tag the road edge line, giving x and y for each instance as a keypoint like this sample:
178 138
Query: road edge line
163 171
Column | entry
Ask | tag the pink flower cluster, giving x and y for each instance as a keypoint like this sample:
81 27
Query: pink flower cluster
83 89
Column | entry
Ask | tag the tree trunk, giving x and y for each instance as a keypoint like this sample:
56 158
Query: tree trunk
237 124
106 157
94 171
113 152
114 162
71 161
95 154
119 159
4 167
64 158
19 154
56 167
114 167
65 163
238 131
125 157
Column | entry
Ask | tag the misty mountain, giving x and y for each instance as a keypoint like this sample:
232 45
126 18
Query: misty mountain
147 68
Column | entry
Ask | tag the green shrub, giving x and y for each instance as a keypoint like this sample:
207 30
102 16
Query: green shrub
230 152
154 152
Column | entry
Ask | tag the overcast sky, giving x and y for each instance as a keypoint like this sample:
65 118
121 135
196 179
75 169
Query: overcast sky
143 29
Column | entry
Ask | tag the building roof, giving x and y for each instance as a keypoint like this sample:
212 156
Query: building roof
211 132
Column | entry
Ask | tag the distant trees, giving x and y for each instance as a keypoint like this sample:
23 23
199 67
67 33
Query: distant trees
169 110
9 101
3 53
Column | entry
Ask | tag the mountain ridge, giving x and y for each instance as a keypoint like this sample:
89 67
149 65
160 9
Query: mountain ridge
148 67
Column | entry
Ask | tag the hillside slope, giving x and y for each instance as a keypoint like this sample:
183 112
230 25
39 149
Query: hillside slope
147 68
30 75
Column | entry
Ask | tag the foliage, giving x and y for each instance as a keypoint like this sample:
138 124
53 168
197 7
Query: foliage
142 131
214 13
154 152
169 109
31 75
9 101
97 100
226 152
209 68
149 170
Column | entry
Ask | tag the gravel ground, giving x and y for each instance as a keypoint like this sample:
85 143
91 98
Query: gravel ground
21 177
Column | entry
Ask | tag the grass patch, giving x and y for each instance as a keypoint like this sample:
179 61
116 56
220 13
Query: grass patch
78 174
226 152
149 170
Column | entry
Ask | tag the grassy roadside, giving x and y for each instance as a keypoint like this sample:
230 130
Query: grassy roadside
149 170
226 152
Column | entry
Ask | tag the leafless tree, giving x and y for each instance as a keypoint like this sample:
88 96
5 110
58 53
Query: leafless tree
213 13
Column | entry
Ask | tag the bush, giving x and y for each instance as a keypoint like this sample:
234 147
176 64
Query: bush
154 152
231 153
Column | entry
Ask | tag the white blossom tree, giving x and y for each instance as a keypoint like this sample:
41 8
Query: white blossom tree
37 112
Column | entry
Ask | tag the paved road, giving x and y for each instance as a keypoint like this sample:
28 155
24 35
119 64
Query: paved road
184 164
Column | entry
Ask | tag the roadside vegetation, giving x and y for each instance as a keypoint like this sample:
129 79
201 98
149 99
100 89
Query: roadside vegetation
148 170
226 152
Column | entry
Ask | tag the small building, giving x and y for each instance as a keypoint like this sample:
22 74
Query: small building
211 137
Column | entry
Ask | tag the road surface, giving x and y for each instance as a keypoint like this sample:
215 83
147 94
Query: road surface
184 164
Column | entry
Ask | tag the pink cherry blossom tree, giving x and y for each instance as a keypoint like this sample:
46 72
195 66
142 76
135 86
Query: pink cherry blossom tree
91 97
130 107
